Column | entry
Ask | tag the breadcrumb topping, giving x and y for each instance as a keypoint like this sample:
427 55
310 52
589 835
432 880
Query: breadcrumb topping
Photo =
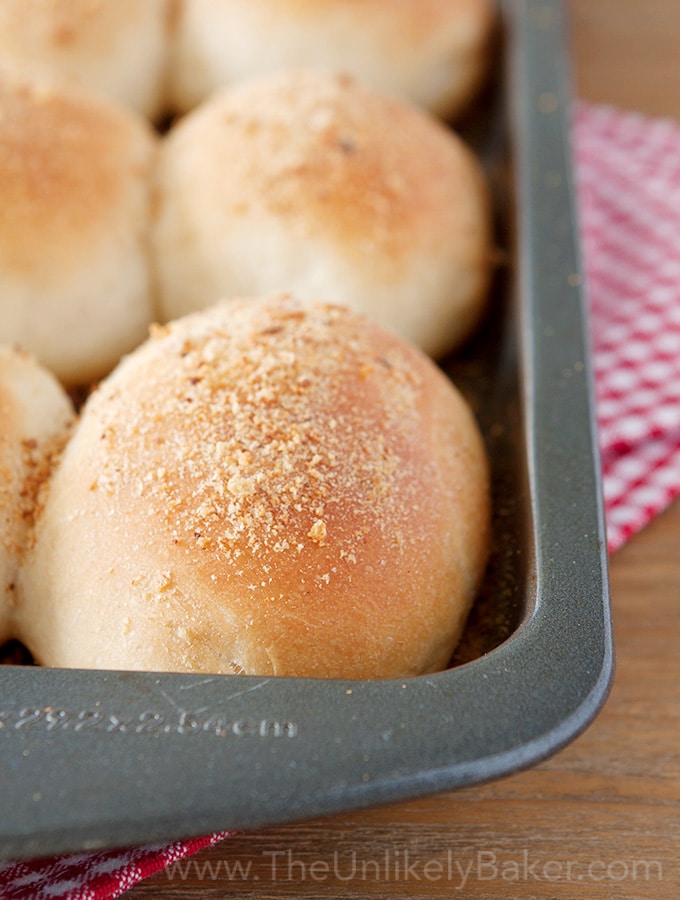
261 429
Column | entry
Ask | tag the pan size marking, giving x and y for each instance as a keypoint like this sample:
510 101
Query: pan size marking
184 722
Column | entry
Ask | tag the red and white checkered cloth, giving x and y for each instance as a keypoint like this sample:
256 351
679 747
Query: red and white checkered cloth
628 178
93 876
628 171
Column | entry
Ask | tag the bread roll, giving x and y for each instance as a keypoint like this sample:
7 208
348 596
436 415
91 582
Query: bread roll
117 47
75 283
430 52
317 185
35 416
265 487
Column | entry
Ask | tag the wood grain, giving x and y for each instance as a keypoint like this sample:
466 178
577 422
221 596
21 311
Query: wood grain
601 819
626 53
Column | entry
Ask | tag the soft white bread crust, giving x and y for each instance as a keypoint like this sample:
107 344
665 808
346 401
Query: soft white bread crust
431 52
315 184
116 47
75 276
265 487
35 418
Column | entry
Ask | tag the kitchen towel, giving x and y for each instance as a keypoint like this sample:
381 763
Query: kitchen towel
627 171
628 178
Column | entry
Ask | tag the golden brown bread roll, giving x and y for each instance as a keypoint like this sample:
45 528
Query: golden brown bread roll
75 281
116 47
35 416
431 52
312 183
264 487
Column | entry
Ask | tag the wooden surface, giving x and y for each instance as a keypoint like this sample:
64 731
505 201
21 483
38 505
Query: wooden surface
627 52
602 818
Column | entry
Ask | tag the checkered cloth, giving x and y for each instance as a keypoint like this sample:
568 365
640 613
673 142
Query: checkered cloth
628 171
93 876
628 178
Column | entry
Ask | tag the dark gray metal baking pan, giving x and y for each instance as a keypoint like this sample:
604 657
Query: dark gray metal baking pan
102 759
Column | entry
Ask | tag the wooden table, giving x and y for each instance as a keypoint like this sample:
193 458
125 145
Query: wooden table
602 818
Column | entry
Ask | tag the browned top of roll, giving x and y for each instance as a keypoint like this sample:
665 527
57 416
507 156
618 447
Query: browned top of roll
377 177
62 24
253 442
64 163
116 47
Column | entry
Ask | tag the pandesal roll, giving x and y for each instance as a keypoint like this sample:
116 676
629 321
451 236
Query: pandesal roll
265 487
431 52
315 184
35 418
75 278
116 47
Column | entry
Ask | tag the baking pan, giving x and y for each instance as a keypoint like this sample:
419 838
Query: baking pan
102 759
